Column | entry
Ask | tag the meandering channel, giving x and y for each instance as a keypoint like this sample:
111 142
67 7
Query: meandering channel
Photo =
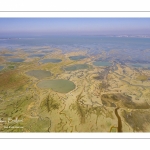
119 120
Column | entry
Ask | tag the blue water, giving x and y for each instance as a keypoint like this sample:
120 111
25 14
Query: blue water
7 55
130 49
77 57
101 63
36 55
139 65
76 67
51 60
16 60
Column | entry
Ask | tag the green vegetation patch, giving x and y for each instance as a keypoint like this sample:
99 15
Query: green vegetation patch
11 67
12 79
15 110
50 103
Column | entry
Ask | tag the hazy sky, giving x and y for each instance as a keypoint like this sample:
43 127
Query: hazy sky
73 26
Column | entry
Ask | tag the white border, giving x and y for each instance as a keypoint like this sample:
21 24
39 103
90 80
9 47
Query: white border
74 5
74 14
80 135
98 135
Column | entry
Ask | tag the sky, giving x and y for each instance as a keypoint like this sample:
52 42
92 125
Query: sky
28 27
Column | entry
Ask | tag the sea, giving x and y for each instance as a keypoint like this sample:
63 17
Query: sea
130 49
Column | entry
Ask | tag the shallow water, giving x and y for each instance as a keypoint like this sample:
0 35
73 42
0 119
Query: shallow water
59 85
39 74
7 55
47 51
51 60
115 48
36 55
16 60
101 63
76 67
79 57
139 65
